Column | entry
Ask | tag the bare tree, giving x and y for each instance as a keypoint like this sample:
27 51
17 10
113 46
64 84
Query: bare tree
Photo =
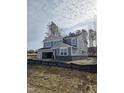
84 34
53 30
71 34
92 37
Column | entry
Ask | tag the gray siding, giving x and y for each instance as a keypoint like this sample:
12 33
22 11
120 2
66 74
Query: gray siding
51 43
68 41
69 51
65 58
70 58
57 51
44 44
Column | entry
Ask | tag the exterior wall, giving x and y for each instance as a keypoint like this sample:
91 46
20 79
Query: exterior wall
78 52
81 44
75 52
57 51
69 58
39 54
65 58
69 41
69 51
52 43
81 49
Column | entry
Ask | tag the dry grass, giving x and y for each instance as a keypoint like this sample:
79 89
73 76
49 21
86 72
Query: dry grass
45 79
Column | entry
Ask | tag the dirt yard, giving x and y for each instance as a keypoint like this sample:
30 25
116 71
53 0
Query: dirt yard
46 79
85 61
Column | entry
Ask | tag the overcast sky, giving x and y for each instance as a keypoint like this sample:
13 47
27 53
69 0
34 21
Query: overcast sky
69 15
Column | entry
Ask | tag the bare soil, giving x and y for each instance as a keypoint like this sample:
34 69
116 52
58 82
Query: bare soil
46 79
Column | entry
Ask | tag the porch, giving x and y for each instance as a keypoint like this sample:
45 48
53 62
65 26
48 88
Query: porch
48 54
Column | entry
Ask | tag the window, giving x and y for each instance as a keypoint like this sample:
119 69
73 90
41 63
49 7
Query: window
55 43
57 51
60 41
73 41
47 44
52 43
63 51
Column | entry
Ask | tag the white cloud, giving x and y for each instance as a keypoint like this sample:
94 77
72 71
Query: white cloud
65 13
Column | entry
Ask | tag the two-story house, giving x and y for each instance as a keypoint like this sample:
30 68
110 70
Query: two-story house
64 48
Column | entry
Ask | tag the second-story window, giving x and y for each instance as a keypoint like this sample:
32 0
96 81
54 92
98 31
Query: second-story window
48 44
60 41
55 43
73 41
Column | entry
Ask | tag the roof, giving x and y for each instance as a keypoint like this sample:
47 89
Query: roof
73 35
44 48
61 45
76 34
52 38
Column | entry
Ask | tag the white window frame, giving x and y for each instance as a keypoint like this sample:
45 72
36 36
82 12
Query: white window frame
48 45
60 41
62 50
55 42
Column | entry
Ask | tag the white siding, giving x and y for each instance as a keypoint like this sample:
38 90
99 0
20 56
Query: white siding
81 46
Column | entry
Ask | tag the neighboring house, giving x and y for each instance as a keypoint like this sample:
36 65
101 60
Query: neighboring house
32 55
64 48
